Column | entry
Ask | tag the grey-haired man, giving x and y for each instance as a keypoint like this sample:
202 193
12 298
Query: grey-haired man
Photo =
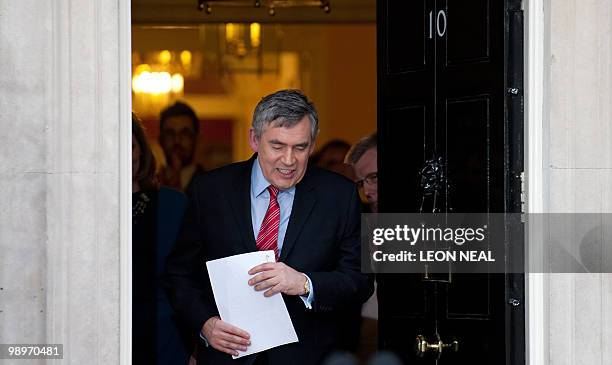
313 217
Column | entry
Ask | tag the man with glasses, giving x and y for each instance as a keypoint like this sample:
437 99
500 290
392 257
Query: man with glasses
363 157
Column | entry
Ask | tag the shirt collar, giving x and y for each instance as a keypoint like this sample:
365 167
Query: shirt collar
259 184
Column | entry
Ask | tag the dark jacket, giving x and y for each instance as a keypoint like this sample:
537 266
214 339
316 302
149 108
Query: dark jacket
322 240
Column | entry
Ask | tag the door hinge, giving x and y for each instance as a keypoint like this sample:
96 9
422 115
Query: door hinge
513 91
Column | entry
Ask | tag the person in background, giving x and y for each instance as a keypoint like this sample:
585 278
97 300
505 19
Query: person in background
330 154
363 157
331 157
178 134
157 212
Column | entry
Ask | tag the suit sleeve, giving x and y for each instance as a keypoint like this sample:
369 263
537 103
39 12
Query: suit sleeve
346 284
186 279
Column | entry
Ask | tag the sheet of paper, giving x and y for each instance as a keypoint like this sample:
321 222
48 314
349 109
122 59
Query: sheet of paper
265 319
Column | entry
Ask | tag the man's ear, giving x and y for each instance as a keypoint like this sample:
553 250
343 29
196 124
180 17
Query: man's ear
253 140
312 146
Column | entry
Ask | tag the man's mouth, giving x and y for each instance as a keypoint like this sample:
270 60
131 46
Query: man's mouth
285 172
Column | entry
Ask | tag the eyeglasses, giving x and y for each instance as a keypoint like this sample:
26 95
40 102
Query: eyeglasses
370 179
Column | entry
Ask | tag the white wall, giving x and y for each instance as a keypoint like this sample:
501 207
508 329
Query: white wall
59 176
578 170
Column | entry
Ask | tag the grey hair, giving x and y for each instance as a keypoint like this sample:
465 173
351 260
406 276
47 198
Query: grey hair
360 148
285 108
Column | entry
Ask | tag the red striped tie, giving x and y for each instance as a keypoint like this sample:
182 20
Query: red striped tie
267 239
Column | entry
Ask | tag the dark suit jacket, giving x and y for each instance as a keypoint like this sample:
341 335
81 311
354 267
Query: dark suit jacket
322 240
158 337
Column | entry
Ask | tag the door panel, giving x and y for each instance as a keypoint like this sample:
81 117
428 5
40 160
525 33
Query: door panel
444 69
469 297
468 36
407 132
468 157
405 24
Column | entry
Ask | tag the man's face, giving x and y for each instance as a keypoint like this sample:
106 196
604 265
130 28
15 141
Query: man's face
283 152
366 168
178 140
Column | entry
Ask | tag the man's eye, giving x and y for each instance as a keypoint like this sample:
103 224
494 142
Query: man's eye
276 148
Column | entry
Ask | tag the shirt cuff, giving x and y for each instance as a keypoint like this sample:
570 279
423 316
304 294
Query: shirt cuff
310 298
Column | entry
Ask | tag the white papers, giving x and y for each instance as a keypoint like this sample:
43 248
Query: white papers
265 319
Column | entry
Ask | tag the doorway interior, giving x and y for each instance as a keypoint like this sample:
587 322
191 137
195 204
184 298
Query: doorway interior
534 107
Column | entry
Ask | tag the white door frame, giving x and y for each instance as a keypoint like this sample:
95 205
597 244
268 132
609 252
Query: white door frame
125 177
536 142
536 18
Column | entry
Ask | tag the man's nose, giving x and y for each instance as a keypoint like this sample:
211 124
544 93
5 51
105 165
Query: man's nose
370 189
288 157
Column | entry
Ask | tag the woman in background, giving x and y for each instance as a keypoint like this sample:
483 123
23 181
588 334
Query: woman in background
157 337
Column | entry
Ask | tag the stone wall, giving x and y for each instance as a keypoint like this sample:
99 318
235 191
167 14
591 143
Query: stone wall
59 176
579 171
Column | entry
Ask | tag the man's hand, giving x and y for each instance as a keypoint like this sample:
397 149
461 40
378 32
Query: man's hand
224 337
277 278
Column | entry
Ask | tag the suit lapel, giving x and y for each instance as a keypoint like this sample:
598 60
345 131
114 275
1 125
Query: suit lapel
240 201
303 202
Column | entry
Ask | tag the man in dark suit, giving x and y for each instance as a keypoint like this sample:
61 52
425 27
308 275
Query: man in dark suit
310 217
179 128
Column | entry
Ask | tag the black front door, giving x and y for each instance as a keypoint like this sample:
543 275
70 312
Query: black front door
450 90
